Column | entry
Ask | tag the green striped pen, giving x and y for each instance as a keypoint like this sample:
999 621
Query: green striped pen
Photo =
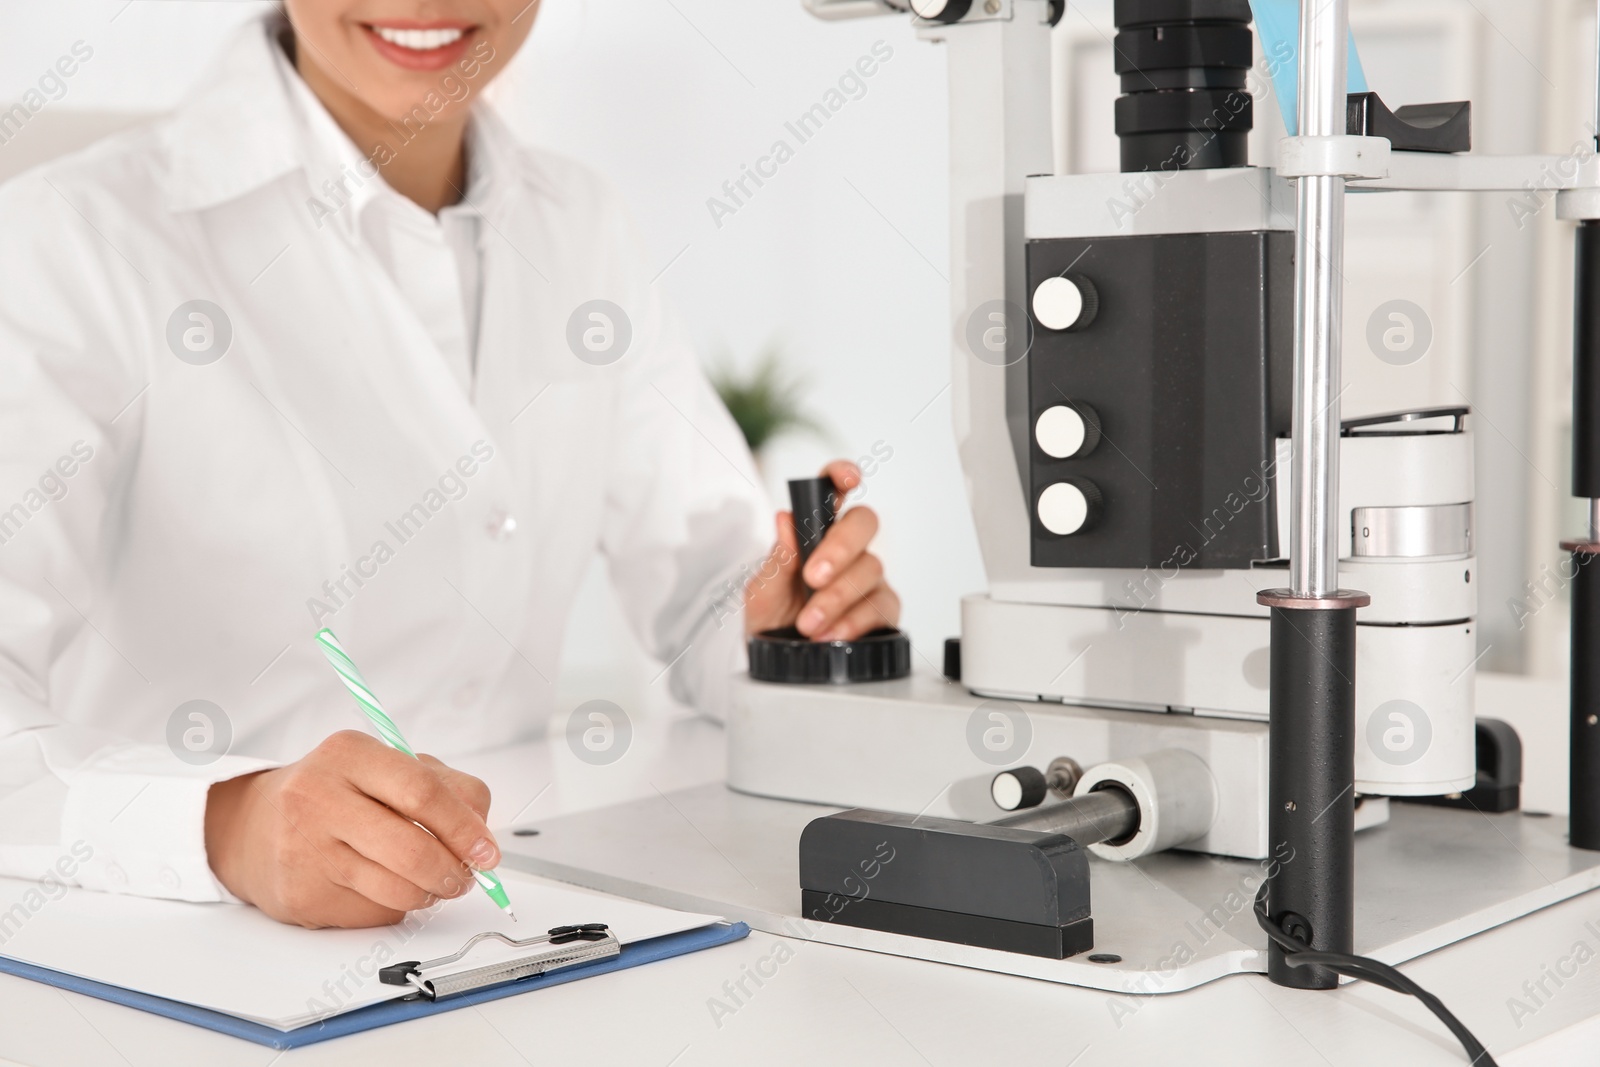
390 733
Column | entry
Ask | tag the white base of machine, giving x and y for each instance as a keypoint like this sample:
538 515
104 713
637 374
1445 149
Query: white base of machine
827 744
1212 664
1428 878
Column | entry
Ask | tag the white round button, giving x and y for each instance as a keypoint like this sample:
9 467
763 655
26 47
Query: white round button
1057 303
1006 791
1063 508
1060 431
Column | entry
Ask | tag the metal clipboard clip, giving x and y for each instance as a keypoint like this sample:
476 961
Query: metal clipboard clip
564 946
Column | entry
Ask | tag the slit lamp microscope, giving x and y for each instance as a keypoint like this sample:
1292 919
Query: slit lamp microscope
1226 629
1220 618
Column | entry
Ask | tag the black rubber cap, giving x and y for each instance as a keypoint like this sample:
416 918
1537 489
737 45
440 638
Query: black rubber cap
395 973
789 656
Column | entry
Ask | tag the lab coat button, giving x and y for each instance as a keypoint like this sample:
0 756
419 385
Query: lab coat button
169 878
116 875
501 525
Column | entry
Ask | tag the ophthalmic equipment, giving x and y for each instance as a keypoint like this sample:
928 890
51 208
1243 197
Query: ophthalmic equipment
1225 625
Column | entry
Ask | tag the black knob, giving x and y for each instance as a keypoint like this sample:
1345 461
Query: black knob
1020 787
787 655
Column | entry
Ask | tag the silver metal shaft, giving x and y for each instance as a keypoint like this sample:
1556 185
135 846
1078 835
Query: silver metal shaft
1595 130
1103 815
1319 307
1594 522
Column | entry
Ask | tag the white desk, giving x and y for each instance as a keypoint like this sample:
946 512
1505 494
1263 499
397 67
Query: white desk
829 1005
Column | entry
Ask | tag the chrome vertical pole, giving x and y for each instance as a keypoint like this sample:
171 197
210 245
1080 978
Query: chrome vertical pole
1319 307
1311 773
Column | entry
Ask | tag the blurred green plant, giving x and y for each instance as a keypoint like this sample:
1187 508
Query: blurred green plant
767 401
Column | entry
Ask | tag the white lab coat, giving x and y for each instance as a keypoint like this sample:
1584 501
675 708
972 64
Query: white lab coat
172 532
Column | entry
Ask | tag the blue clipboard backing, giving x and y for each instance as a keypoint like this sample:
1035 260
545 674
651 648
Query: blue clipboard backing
391 1011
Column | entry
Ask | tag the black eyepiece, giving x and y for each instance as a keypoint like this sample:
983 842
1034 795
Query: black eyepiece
1183 65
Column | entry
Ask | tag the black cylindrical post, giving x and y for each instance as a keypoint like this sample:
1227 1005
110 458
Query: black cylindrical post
1586 364
1584 777
1311 788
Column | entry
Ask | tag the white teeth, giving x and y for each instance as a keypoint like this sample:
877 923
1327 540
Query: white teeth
418 40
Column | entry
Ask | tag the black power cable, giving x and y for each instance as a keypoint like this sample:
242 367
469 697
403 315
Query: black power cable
1296 954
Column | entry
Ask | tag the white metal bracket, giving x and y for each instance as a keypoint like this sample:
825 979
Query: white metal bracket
1578 204
1338 157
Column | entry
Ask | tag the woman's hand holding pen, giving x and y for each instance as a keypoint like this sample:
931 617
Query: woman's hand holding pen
353 834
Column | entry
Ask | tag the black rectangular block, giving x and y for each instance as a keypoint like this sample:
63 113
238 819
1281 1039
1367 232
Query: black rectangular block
970 883
1188 365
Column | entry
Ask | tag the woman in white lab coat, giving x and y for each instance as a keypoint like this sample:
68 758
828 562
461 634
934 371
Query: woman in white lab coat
329 347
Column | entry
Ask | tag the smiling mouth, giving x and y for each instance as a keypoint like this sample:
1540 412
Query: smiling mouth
421 47
419 40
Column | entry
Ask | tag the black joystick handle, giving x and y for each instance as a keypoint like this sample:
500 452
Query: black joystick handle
787 655
816 504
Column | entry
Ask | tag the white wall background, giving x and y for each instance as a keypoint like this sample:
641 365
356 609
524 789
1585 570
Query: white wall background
839 257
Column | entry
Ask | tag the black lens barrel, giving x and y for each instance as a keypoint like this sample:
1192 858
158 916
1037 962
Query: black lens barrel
1183 65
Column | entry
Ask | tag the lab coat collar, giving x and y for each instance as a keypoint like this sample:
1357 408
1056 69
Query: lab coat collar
342 180
241 129
235 132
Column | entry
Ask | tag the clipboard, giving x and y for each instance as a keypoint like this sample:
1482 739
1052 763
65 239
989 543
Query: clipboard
182 960
564 954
